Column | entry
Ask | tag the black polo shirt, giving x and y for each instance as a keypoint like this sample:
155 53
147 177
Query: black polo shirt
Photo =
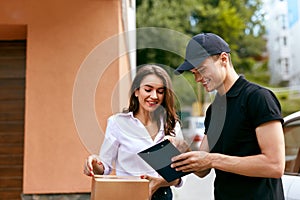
230 127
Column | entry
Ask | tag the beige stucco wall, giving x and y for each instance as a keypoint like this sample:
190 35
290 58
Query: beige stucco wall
60 35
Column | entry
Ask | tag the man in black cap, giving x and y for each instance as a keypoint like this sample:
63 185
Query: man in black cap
244 140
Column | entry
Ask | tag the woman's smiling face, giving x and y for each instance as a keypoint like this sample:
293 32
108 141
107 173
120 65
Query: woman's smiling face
151 93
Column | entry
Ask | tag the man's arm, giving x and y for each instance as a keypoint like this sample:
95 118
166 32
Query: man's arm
203 147
270 163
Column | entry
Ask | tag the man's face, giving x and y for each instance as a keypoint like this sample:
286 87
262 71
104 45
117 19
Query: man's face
211 73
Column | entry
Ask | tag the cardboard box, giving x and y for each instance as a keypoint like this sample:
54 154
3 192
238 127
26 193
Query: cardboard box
109 187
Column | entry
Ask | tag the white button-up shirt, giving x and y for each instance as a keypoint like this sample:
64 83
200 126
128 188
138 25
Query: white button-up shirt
126 136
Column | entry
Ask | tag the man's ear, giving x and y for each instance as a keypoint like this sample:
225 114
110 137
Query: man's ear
224 58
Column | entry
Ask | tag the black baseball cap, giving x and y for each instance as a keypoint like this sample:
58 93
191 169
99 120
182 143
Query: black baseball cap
199 48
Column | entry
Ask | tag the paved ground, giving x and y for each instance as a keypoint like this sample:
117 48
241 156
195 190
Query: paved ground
195 188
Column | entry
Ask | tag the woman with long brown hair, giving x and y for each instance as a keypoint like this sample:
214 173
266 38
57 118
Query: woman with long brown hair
149 118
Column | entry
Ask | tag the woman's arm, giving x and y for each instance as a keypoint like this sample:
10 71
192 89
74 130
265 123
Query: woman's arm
101 164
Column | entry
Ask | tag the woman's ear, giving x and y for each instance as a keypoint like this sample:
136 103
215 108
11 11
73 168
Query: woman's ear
136 93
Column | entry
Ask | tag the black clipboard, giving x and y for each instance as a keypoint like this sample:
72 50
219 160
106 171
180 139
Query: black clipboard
159 158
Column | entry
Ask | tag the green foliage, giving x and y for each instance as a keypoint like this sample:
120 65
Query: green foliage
290 105
186 89
258 74
158 56
246 64
172 14
282 96
251 46
222 19
238 22
165 14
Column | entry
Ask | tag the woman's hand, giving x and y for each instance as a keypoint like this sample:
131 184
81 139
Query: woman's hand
93 165
157 182
180 144
154 183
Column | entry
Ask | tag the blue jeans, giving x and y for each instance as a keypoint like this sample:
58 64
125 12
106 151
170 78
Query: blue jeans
163 193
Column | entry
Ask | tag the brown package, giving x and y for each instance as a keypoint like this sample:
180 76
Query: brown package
109 187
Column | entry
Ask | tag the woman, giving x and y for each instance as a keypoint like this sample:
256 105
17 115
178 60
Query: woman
148 120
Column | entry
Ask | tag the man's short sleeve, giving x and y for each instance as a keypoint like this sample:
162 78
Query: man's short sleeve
263 107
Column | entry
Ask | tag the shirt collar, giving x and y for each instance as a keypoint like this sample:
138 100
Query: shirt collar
237 87
127 114
130 114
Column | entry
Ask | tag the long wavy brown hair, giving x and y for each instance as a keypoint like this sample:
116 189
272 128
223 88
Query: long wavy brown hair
167 108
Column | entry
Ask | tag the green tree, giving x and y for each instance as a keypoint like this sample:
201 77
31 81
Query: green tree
238 22
171 14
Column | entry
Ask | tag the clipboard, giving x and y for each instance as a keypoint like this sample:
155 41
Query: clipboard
159 158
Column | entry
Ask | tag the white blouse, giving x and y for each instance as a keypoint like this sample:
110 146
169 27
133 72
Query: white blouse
126 136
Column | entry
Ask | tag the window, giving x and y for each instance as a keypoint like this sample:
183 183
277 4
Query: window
284 65
292 144
199 124
186 124
284 41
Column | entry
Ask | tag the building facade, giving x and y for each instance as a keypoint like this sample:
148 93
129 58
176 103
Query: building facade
283 28
44 48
